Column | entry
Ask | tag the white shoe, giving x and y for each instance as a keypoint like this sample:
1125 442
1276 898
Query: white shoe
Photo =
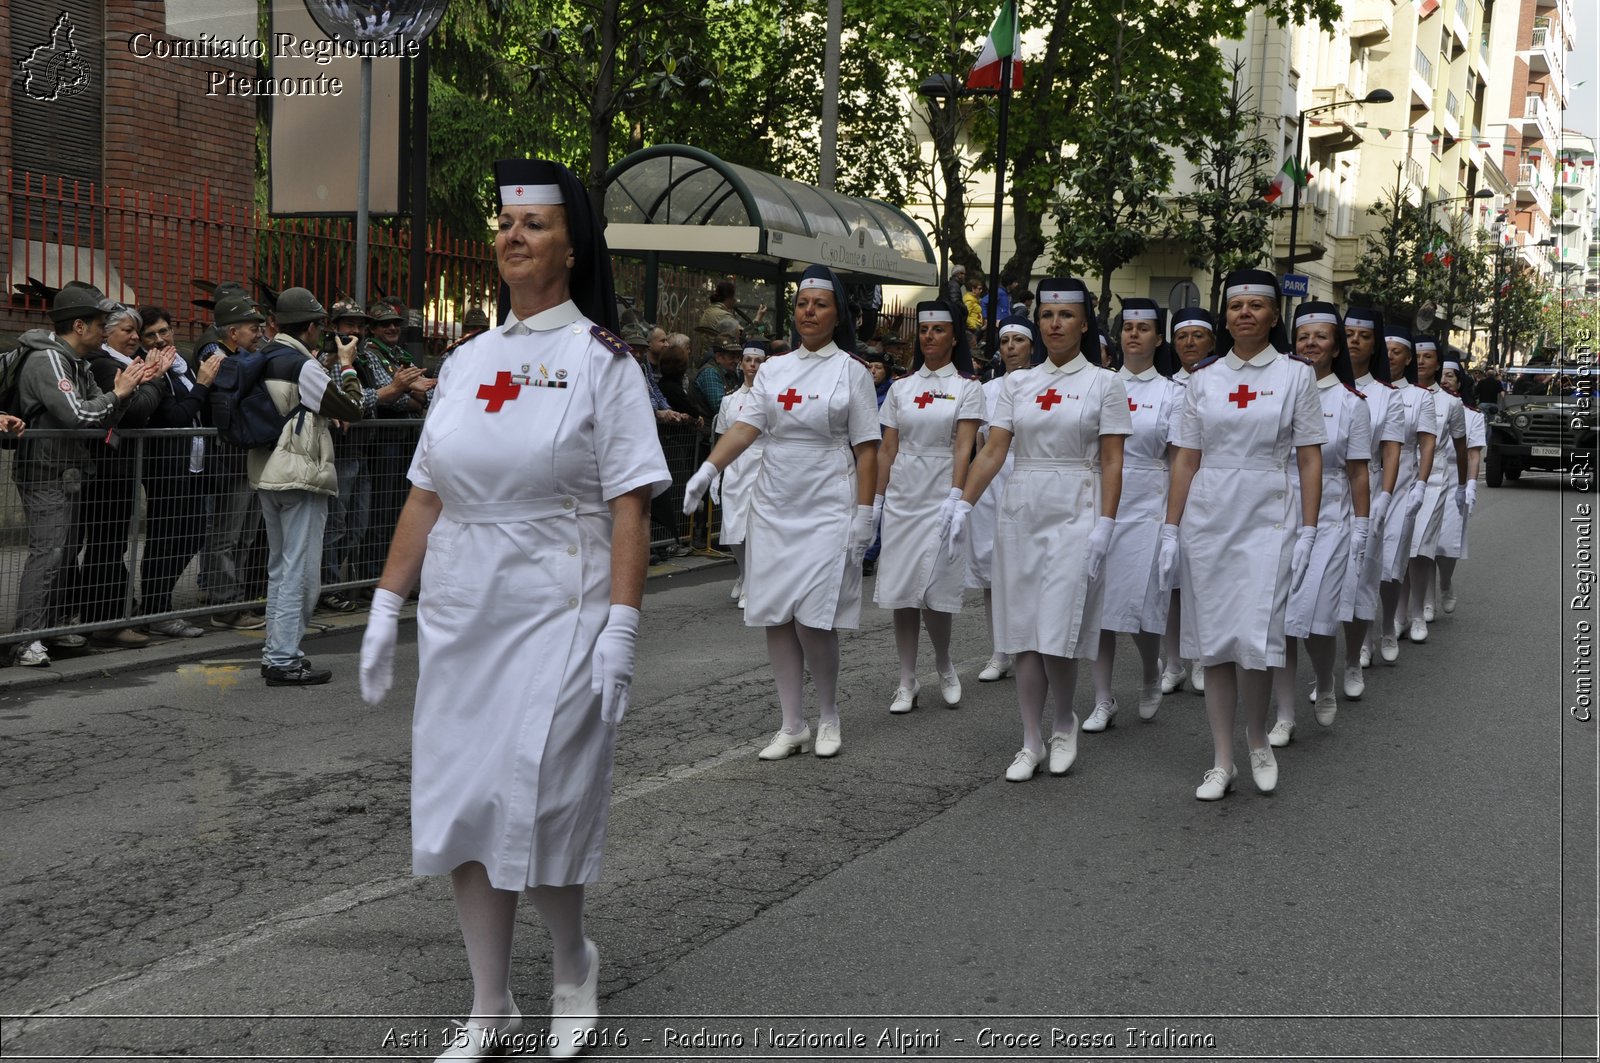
741 601
1281 734
1172 682
905 700
1264 769
1103 716
1023 766
950 689
33 655
1150 699
738 590
1366 656
473 1040
1447 601
1215 784
1427 613
1311 695
575 1010
998 668
1197 679
1064 749
1389 649
784 744
828 739
1326 709
1354 684
1419 630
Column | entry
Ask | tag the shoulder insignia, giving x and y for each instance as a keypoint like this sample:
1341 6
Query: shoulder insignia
1205 362
611 341
1302 360
1353 390
862 361
968 376
1385 383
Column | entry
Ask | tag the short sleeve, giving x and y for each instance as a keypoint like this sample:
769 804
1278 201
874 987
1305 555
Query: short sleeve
1186 425
1477 430
1359 447
973 407
1394 420
1458 420
889 412
1307 430
1427 416
724 419
1172 412
1115 417
627 448
754 413
419 473
863 426
1005 403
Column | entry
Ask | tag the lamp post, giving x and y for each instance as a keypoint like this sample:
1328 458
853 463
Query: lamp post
1375 96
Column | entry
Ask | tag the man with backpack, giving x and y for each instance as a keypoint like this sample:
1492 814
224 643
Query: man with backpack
277 401
55 388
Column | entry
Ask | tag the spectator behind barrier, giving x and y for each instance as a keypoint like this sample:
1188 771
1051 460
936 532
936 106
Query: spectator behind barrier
674 366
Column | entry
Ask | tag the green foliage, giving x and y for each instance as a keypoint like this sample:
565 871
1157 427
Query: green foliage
1404 265
1521 305
1571 325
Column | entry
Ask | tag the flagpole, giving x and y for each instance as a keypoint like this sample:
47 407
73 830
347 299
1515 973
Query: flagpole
992 324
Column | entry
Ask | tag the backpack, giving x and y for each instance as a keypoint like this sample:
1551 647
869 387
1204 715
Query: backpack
11 363
241 407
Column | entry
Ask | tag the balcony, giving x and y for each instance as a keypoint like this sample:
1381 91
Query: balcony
1334 131
1459 23
1421 81
1537 121
1449 115
1371 21
1571 178
1563 12
1545 51
1416 174
1533 187
1567 222
1311 238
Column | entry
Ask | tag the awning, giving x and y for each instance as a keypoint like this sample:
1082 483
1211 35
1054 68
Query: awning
690 208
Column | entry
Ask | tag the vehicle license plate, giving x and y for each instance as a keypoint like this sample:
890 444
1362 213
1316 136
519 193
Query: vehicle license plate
1547 452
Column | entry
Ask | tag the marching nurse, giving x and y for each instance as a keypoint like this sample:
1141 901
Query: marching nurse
1419 424
1446 486
1453 532
811 517
739 478
1194 338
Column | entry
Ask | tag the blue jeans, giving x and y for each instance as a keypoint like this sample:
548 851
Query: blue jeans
228 540
348 515
294 520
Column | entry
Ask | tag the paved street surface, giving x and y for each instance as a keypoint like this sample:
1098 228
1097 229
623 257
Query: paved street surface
196 865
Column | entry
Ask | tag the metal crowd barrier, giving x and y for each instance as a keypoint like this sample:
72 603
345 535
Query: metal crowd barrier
154 540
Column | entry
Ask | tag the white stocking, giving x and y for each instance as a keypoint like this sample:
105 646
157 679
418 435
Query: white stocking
1421 580
1149 647
1032 688
988 616
1447 574
487 917
1222 697
1169 638
1063 675
788 670
1255 691
939 626
1283 682
821 647
907 630
737 550
1321 648
1101 667
561 908
1355 635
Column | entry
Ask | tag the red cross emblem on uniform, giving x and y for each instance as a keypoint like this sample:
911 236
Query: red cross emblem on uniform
519 191
790 399
923 400
1133 407
1242 396
499 393
1047 400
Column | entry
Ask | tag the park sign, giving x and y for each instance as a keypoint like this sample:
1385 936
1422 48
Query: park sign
1295 285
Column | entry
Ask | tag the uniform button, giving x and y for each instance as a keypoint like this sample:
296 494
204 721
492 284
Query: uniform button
577 329
572 551
1277 525
566 503
572 603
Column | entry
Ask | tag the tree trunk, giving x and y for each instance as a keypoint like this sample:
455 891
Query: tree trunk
1027 207
953 221
604 106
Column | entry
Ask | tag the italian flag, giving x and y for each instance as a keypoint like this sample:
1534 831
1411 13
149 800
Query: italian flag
1280 182
1001 44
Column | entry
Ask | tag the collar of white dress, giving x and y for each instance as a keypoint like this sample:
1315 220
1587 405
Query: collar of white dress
1435 388
544 321
827 349
1401 383
1365 380
1052 369
1263 358
1128 374
1329 381
948 369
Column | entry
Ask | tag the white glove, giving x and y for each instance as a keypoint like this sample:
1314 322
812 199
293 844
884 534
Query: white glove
1100 544
1167 560
946 509
1305 540
1380 506
955 530
377 645
715 491
863 529
877 515
1472 496
697 487
1414 498
1360 529
614 653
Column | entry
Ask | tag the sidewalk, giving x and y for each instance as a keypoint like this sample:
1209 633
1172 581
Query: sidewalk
232 647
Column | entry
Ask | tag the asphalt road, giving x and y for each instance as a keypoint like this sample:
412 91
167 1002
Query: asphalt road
198 866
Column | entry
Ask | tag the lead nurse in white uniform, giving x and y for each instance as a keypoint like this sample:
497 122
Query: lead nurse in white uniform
1067 419
1420 421
930 421
1446 487
1194 338
1244 543
811 519
1018 339
1134 600
528 525
738 483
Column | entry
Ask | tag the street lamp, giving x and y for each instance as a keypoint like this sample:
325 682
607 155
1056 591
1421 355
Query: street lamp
1375 96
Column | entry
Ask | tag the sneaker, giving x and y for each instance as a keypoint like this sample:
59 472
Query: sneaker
1419 630
1282 734
32 655
338 603
299 674
1172 682
1326 708
1389 649
1103 716
1264 769
998 668
1354 684
175 629
240 621
1064 748
120 638
1215 784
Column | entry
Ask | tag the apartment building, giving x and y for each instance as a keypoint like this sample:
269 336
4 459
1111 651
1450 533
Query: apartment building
1575 216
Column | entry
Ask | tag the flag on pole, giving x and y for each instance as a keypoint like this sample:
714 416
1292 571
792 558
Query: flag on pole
1280 182
1002 43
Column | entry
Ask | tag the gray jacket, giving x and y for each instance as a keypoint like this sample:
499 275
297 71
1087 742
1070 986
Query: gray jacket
56 389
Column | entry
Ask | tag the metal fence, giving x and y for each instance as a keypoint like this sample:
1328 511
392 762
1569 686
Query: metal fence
147 538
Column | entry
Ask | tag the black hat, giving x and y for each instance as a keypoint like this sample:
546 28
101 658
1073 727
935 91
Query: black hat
531 182
1400 334
1191 316
475 318
77 300
385 311
295 306
931 310
1253 282
1137 308
236 310
1053 291
1370 317
1313 313
844 333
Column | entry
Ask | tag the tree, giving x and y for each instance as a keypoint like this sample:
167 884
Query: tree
1519 307
1225 222
1571 325
1405 263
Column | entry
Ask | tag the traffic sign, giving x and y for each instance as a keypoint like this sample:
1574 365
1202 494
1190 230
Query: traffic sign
1296 284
